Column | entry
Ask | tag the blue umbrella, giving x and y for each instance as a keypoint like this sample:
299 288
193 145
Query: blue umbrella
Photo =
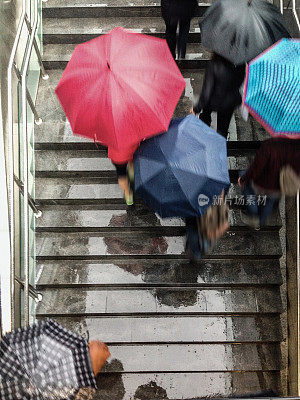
273 89
179 172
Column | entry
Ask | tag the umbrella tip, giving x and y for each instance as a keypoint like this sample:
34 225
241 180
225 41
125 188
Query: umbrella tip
108 65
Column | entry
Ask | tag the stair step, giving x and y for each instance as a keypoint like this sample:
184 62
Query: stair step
56 130
185 386
92 189
58 136
159 273
79 30
236 243
56 56
195 357
93 163
169 329
85 217
102 176
159 301
115 8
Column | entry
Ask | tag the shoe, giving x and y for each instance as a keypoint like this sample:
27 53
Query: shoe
194 258
129 200
250 220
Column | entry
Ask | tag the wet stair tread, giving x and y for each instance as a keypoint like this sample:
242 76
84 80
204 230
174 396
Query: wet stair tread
105 4
193 386
95 162
159 273
74 30
214 357
170 329
233 243
56 55
83 217
113 5
88 188
175 301
62 52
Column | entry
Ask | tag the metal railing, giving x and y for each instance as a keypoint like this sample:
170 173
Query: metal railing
28 201
294 9
295 13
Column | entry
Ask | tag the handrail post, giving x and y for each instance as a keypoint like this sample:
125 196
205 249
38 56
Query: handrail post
37 119
45 76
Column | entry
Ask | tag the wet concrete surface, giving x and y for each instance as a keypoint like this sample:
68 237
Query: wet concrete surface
159 301
160 273
92 217
176 330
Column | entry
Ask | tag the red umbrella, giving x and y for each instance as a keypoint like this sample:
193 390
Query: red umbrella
120 88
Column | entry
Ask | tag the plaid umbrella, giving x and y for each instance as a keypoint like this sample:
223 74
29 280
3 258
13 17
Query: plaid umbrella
45 362
272 91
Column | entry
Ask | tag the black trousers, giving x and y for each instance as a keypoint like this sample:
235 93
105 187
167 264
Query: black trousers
121 170
171 29
223 120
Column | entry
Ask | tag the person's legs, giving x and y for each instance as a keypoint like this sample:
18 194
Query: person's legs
205 116
250 201
265 208
223 122
184 28
250 215
171 28
192 239
123 182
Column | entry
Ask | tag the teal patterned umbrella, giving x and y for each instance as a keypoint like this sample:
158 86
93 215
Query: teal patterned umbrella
272 91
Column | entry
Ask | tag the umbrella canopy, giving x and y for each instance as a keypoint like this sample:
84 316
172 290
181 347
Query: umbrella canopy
179 172
45 362
240 30
120 88
272 91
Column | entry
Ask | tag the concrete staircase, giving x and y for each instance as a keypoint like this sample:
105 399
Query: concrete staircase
175 330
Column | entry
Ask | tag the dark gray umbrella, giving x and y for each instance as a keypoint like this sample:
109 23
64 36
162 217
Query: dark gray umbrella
45 362
240 30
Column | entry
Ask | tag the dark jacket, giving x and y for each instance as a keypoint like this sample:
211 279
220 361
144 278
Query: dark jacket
272 155
179 8
221 86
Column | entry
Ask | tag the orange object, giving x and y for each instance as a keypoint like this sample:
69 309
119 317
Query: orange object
99 353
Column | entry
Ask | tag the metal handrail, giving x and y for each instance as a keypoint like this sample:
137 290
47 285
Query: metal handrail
27 200
31 202
295 14
11 162
294 11
32 292
25 161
